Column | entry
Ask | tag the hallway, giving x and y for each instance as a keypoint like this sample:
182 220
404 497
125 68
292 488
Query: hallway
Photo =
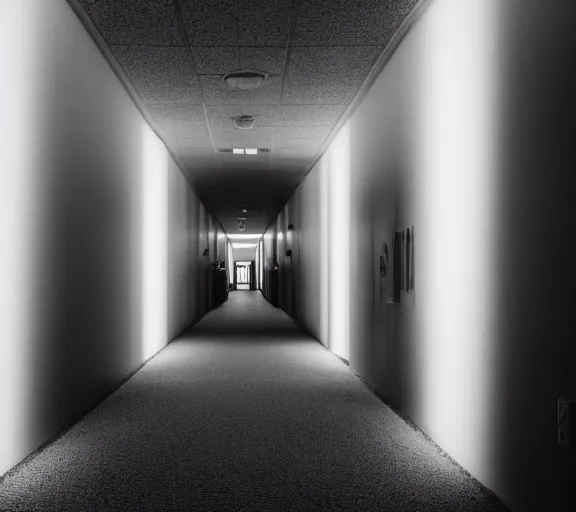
244 412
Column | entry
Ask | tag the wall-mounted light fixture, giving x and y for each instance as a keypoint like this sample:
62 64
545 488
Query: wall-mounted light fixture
289 239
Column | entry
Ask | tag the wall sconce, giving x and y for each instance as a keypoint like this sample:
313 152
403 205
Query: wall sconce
396 266
289 238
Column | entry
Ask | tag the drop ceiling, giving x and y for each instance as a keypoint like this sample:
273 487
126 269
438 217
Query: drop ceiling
173 53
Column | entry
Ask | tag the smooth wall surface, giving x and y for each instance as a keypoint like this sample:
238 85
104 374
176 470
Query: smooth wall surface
464 137
106 258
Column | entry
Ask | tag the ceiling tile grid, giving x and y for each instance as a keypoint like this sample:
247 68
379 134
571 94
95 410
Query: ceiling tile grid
217 92
318 53
143 22
160 74
348 22
327 75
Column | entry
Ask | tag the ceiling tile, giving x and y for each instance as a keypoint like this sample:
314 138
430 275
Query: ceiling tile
160 74
308 137
210 22
256 138
186 132
309 115
296 154
196 152
264 22
270 59
217 60
176 115
266 115
327 75
182 144
217 92
221 115
147 22
348 22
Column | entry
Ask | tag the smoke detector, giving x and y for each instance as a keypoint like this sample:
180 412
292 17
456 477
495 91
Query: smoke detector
246 79
244 122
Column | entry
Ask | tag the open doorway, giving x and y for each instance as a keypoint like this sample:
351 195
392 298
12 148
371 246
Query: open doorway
243 275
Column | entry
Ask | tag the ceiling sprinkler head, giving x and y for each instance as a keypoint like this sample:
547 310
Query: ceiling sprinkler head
244 122
246 79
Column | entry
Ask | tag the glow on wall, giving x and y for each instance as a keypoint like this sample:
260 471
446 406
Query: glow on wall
20 209
154 243
456 152
339 242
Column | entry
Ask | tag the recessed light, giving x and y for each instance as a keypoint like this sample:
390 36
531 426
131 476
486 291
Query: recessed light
237 151
244 122
251 151
236 245
243 237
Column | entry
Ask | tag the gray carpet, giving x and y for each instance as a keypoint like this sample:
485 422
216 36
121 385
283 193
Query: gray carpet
244 412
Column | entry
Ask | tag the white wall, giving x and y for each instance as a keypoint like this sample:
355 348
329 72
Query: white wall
104 263
464 135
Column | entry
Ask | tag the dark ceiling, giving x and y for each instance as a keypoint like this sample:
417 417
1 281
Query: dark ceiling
173 54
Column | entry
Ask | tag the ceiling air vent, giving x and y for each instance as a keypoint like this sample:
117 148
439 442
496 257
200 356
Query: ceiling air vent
225 150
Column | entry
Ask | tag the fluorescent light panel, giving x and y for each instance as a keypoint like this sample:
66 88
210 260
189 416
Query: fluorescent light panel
247 151
236 245
244 237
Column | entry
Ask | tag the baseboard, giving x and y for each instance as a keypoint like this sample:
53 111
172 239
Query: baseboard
77 418
410 422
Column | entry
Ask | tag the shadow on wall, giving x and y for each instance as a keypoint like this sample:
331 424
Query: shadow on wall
450 140
85 299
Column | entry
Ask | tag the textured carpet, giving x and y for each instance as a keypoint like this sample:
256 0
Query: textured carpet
244 412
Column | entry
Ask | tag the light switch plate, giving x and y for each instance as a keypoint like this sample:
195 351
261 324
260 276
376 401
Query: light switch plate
566 422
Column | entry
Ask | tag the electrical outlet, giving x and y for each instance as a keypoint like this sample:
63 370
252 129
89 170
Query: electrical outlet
566 422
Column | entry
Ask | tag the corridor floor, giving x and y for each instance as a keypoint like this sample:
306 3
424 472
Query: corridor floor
244 412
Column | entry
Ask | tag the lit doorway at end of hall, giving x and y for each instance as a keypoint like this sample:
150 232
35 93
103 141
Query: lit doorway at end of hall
243 275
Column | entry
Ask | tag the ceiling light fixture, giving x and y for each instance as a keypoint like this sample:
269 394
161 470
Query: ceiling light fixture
251 151
244 122
243 236
236 245
246 79
237 151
